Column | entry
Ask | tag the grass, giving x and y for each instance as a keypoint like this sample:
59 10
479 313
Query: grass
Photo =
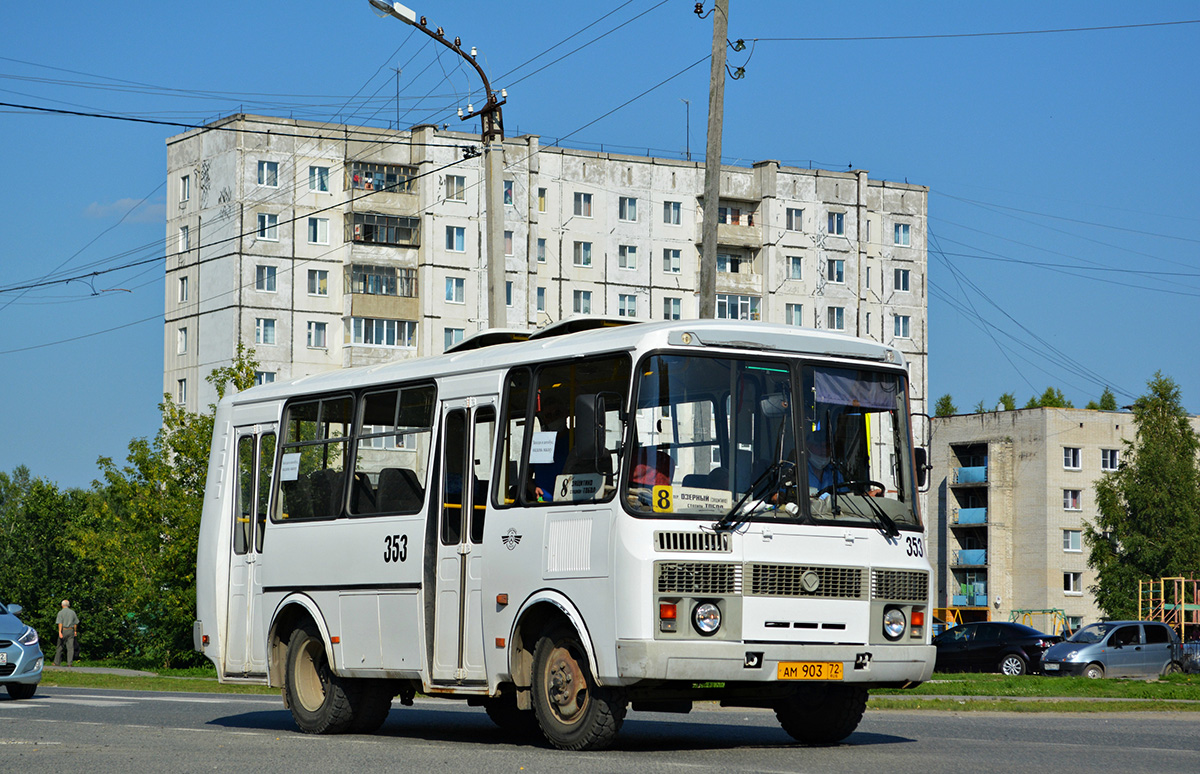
1175 687
1014 705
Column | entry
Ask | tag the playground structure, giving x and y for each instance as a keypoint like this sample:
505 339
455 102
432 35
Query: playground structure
1173 601
1055 617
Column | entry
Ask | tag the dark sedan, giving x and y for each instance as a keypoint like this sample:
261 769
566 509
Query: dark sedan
992 646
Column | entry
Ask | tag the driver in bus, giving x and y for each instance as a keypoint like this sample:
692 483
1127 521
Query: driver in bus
546 461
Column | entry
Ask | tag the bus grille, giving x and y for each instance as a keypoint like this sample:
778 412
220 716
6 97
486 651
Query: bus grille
789 580
704 542
699 578
906 585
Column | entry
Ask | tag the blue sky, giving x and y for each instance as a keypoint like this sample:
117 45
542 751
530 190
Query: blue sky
1063 167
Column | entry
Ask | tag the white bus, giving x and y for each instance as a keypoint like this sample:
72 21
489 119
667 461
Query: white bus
556 529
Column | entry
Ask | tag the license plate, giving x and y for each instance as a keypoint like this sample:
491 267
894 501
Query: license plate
1050 667
809 670
3 658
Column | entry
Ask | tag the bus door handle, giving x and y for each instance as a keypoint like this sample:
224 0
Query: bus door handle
464 548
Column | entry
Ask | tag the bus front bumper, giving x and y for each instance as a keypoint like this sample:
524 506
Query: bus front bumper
706 661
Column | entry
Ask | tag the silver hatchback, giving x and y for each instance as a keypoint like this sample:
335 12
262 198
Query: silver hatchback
1116 649
20 655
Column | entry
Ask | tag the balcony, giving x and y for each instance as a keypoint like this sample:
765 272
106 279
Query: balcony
973 475
970 557
971 595
969 517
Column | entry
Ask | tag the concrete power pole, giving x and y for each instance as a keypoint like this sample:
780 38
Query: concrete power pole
712 163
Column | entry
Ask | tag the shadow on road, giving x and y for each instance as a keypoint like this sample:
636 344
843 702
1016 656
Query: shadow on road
642 733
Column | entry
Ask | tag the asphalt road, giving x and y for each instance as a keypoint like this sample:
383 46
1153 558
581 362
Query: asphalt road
89 731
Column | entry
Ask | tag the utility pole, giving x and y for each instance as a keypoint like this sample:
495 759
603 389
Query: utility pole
712 163
492 121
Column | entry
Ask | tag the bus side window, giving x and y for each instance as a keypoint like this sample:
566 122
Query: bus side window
454 445
315 448
513 432
485 431
392 452
266 468
243 508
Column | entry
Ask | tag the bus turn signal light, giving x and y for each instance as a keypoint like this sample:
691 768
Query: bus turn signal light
666 616
917 618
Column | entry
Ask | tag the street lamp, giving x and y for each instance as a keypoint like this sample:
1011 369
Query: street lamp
492 120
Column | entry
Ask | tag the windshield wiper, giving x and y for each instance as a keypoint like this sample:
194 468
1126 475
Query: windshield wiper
777 480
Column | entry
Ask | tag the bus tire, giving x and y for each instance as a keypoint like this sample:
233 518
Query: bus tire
503 711
371 701
320 701
572 711
825 715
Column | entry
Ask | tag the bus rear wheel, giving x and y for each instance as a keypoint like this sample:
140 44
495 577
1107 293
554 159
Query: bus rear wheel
573 712
320 700
823 715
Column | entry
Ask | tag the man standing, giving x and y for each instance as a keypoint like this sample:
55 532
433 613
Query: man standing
67 622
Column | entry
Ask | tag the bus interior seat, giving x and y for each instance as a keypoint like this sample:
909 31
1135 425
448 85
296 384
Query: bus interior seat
652 466
717 478
297 499
362 494
399 490
325 492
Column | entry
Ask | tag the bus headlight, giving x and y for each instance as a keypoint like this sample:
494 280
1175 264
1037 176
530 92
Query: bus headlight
893 623
706 617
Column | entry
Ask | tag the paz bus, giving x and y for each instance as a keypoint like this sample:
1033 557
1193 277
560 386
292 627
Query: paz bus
557 529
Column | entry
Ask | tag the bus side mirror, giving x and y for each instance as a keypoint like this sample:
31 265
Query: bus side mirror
921 457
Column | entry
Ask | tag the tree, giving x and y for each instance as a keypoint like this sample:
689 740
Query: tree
1108 402
1051 398
945 407
1008 401
1149 521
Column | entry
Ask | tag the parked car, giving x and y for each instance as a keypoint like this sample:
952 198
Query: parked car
1001 646
1117 649
20 654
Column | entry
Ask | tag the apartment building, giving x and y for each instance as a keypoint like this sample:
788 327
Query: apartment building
326 246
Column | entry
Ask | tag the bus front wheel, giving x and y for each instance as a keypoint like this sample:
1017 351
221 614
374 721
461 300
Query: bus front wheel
573 712
320 700
825 715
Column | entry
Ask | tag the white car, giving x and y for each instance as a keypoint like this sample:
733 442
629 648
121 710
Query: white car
20 655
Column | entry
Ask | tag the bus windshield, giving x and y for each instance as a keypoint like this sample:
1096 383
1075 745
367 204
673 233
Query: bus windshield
757 439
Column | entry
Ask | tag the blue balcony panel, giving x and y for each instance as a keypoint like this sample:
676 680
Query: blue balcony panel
976 475
972 516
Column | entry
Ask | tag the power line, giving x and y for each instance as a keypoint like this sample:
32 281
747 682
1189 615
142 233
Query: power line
978 34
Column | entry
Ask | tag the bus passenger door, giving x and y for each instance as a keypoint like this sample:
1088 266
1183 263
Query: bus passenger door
245 638
468 431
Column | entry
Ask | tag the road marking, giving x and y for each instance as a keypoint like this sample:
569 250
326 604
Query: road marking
177 699
36 744
80 702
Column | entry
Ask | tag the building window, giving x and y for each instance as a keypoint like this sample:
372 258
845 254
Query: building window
583 254
835 270
541 299
1109 459
382 177
318 179
835 318
868 276
729 264
541 200
900 234
455 290
1073 582
185 239
508 192
582 302
730 307
451 336
316 335
508 243
268 227
795 219
264 278
386 230
794 314
1071 458
181 341
383 333
795 267
181 390
671 213
456 188
264 330
268 174
183 289
383 280
901 326
672 308
730 216
264 377
1072 540
456 239
318 231
627 256
837 223
671 261
1071 500
901 280
583 204
626 305
508 293
185 188
627 209
318 282
541 250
